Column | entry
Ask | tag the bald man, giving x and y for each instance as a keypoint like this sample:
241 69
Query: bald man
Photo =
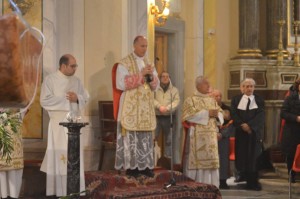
203 115
61 93
137 79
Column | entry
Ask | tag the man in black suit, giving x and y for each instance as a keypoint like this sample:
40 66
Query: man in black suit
249 117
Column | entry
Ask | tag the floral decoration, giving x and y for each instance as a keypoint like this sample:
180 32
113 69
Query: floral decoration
9 125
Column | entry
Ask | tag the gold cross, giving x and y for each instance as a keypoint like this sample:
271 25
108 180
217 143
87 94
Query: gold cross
63 158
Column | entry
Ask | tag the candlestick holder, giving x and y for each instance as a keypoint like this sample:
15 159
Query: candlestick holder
280 45
296 54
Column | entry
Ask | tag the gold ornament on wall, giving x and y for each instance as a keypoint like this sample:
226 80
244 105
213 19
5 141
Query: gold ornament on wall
160 15
23 5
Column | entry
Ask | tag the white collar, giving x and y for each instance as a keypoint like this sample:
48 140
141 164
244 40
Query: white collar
137 57
197 93
244 101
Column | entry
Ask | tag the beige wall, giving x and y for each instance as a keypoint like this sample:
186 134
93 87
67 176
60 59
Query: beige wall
222 18
193 44
103 39
220 40
227 40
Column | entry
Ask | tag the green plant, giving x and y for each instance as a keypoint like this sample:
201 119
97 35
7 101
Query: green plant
9 124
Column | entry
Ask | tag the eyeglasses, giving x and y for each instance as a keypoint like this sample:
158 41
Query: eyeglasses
74 65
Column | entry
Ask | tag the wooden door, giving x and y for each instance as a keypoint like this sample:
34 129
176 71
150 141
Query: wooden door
161 52
161 63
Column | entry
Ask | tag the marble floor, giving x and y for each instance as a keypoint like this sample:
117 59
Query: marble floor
236 191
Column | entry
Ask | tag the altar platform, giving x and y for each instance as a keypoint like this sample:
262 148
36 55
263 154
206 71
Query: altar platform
114 185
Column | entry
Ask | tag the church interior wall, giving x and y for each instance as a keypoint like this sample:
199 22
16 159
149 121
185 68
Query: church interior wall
226 35
192 14
102 48
95 35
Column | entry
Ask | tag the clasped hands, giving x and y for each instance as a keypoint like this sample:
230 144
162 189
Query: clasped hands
163 109
246 128
71 96
213 113
147 70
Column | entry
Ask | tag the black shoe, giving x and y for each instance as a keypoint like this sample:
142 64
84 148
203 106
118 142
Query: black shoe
148 172
133 173
223 185
239 178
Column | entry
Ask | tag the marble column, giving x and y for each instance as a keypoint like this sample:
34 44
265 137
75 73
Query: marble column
249 29
73 175
276 10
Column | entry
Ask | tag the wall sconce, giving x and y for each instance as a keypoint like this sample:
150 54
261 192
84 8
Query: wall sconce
160 16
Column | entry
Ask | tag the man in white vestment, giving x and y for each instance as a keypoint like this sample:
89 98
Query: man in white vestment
137 79
203 115
61 93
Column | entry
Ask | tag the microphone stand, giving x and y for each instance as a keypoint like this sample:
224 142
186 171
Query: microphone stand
172 181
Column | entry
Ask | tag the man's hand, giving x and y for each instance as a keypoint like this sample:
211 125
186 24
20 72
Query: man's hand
163 109
246 128
226 115
219 136
147 70
71 96
298 119
213 113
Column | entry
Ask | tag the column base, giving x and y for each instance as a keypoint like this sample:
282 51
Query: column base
273 54
248 54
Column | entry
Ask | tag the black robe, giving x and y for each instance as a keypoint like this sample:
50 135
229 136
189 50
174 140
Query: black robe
223 146
291 130
248 146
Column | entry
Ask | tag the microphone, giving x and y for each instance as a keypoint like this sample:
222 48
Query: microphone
148 77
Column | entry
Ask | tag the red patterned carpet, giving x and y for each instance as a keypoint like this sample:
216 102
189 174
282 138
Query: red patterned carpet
111 185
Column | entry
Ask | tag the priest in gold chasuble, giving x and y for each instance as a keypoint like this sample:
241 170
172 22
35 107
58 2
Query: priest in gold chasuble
137 79
203 115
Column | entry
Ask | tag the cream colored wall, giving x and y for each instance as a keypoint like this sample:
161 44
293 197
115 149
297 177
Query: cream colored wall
103 44
193 61
227 40
103 40
220 40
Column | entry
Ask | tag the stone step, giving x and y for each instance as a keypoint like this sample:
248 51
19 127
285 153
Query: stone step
280 185
270 184
282 172
271 181
281 165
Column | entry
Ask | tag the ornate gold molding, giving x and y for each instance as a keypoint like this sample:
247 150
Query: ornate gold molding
249 53
24 5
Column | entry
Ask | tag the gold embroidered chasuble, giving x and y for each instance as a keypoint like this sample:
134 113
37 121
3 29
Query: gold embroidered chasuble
17 154
203 148
138 112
